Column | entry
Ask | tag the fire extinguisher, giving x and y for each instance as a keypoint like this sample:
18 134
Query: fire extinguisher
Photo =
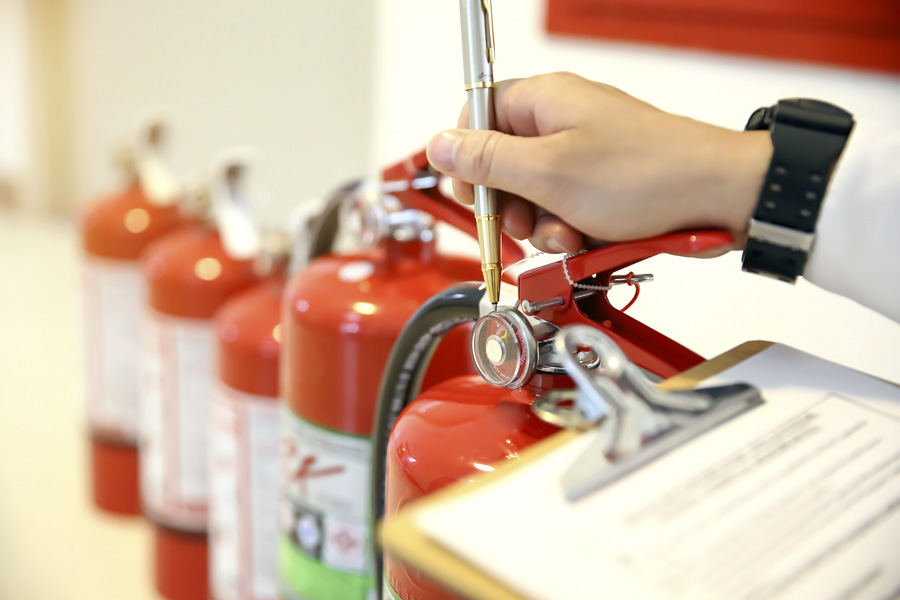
468 424
244 435
190 274
115 230
341 316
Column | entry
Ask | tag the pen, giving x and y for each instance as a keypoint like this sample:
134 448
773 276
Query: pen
478 58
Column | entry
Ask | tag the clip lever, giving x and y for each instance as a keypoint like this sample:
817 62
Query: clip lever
629 410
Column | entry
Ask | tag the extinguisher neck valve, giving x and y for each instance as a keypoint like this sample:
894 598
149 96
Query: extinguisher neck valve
275 254
197 202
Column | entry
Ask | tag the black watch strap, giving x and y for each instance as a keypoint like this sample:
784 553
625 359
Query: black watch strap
808 137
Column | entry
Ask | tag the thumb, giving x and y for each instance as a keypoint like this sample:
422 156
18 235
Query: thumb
490 158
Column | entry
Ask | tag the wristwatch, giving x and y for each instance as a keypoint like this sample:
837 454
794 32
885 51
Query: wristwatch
808 137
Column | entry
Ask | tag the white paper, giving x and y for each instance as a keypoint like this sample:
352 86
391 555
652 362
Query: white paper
798 498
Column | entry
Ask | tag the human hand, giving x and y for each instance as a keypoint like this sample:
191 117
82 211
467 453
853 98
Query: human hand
580 163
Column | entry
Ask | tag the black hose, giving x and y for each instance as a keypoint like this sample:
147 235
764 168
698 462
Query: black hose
321 231
402 380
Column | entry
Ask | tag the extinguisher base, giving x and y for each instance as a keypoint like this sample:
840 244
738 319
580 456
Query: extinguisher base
115 480
181 567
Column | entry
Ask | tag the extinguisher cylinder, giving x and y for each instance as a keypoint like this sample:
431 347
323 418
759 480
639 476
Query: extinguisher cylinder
190 276
115 231
244 446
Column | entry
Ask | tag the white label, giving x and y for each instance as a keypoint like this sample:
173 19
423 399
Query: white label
113 294
325 482
176 394
243 496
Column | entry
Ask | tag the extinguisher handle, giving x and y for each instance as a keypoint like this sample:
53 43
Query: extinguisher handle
448 210
324 228
403 376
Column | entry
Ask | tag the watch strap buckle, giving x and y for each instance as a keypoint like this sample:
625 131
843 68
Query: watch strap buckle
779 235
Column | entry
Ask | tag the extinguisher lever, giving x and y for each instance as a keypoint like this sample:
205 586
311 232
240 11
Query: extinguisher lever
552 289
432 201
553 279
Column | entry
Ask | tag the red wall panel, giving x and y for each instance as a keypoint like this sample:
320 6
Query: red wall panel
854 33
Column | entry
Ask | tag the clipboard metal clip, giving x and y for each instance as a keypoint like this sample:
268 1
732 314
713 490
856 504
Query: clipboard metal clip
636 420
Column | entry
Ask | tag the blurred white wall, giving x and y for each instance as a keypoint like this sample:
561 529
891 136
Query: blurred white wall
291 78
708 305
419 78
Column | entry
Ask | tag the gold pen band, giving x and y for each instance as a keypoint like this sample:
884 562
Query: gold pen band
489 244
479 85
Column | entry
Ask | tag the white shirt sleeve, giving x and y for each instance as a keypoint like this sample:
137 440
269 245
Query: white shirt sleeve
857 248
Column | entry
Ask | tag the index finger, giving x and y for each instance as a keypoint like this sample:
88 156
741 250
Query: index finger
512 115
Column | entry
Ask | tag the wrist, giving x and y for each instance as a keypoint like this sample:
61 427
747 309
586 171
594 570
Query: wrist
745 161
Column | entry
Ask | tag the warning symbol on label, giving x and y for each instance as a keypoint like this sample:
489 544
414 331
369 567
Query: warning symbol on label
345 544
344 541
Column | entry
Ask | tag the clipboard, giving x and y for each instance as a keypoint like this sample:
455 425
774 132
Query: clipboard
401 535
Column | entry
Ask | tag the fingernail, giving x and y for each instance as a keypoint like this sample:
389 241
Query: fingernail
442 149
554 245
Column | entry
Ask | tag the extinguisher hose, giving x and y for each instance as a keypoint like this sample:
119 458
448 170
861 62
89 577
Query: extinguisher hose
403 377
319 234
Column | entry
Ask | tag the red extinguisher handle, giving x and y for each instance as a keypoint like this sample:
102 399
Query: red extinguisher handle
643 345
550 280
448 210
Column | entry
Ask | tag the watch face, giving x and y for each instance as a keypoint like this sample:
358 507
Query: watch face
814 114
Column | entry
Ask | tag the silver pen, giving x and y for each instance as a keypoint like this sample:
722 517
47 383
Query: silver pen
478 59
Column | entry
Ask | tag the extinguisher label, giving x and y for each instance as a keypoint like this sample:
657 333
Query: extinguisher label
243 496
177 388
324 516
113 298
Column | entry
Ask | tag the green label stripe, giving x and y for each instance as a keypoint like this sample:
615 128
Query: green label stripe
312 580
328 429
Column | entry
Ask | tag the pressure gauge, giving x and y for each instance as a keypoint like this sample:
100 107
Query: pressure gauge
504 348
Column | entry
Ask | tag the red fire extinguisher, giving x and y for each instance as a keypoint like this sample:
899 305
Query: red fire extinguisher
341 316
244 436
115 230
470 423
190 274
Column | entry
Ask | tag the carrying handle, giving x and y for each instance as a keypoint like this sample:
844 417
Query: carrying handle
156 179
233 203
403 377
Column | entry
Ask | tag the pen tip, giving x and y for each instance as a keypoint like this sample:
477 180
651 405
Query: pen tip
495 306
